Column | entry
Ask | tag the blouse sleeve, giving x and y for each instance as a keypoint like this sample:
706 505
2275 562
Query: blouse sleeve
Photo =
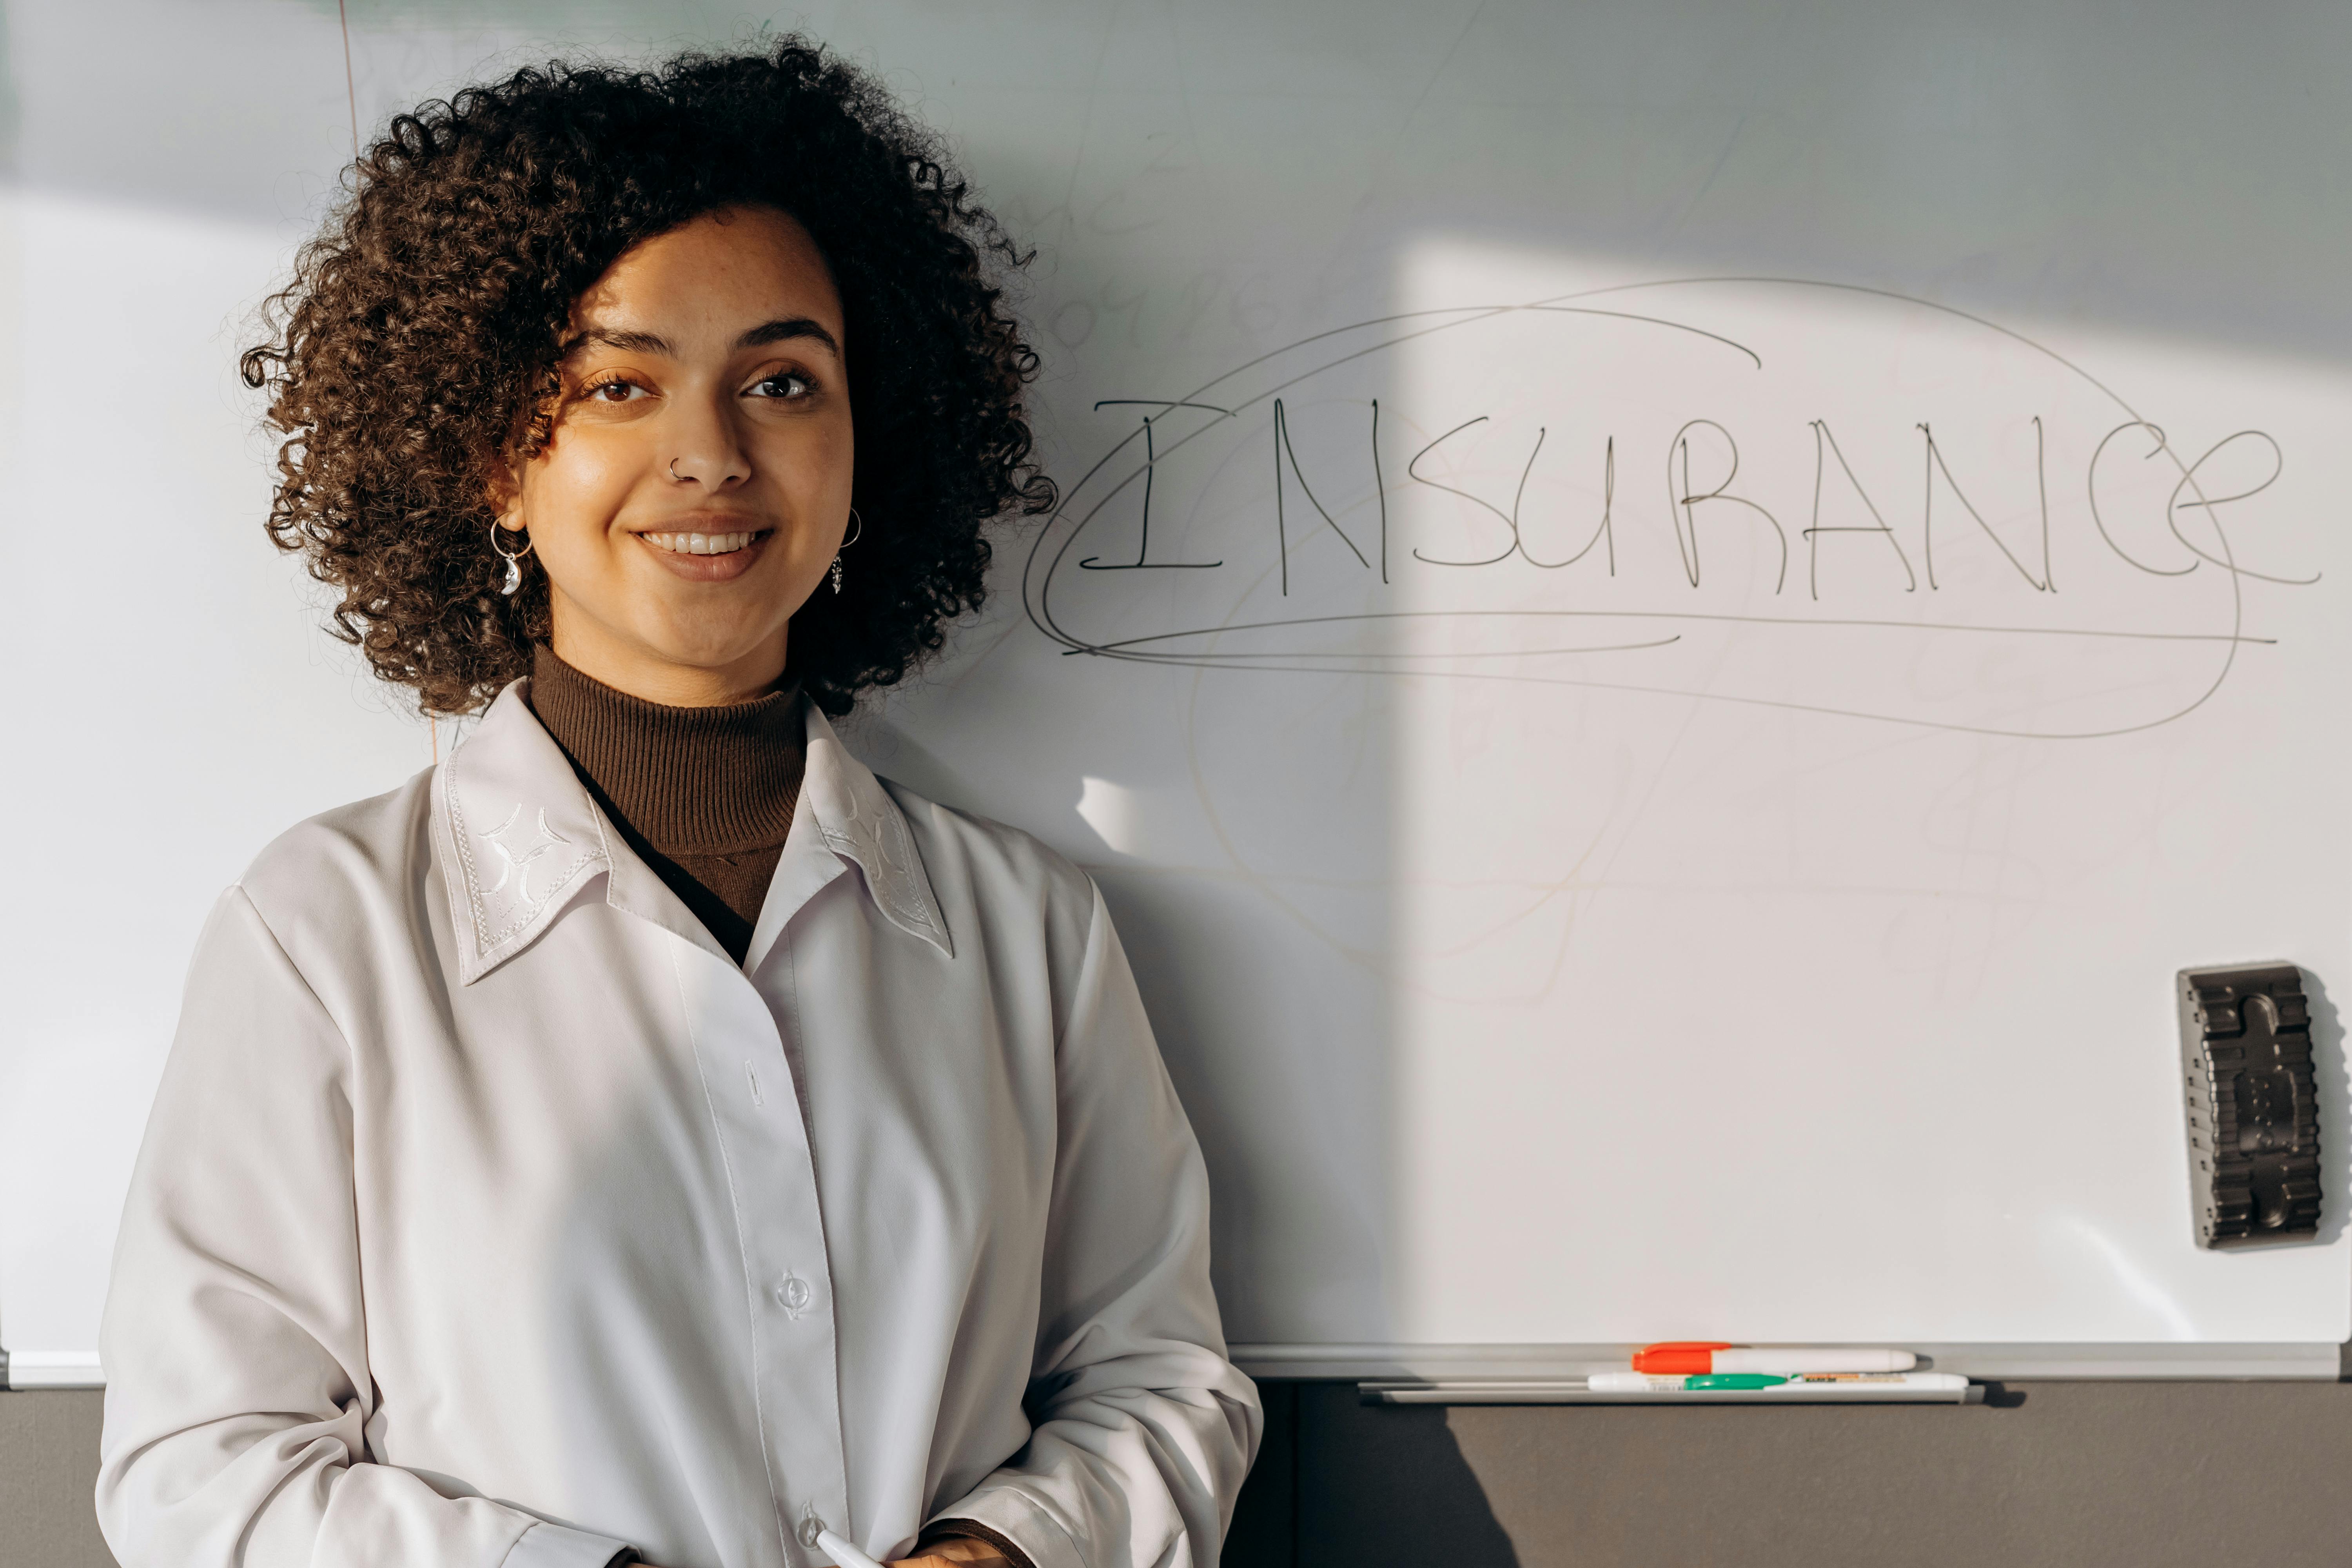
1144 1429
234 1339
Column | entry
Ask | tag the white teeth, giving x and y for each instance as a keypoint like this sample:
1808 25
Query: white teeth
700 543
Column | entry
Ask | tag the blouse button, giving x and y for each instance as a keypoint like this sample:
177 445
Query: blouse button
794 1294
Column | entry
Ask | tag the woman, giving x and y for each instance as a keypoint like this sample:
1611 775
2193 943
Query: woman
646 1136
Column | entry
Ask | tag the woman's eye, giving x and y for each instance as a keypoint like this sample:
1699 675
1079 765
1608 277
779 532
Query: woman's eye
613 390
783 384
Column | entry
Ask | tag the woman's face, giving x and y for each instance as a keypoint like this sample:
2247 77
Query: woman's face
696 482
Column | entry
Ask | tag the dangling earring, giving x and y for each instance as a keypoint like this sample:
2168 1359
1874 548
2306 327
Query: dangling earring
514 561
854 538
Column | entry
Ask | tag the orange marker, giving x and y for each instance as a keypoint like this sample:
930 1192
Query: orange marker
1696 1358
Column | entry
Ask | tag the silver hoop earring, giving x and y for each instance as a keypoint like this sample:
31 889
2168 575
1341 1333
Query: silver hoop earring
857 535
514 561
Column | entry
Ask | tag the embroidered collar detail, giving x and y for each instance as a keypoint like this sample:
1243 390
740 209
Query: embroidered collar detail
517 836
858 820
514 832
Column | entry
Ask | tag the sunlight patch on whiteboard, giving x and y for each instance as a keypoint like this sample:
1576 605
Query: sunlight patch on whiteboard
2130 1274
1112 811
1823 726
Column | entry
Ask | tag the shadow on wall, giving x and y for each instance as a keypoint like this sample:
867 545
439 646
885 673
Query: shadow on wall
2014 159
2335 1087
1337 1486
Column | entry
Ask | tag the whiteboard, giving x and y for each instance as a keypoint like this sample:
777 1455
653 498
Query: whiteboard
1667 623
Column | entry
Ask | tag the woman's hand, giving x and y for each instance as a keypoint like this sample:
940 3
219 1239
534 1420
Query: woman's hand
955 1551
946 1554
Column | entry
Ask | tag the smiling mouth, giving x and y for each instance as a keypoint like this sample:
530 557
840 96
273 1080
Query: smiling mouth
704 543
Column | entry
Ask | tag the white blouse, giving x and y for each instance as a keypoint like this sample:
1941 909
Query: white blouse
489 1214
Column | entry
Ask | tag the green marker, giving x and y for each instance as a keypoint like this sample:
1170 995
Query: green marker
1654 1383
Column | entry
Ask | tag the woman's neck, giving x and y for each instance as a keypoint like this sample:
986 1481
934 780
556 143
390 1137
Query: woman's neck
626 666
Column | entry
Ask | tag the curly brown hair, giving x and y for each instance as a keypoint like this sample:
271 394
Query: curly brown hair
415 351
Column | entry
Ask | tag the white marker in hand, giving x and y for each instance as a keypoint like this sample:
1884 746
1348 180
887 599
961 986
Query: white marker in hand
843 1554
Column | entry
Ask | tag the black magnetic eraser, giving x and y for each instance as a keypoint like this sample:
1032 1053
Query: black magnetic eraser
2254 1117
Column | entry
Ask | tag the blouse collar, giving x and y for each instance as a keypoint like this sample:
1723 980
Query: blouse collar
518 837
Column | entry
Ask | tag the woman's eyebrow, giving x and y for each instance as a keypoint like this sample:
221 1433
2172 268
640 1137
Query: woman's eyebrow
781 331
612 337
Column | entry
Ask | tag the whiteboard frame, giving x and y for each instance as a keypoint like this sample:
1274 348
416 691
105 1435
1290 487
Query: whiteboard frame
1444 1363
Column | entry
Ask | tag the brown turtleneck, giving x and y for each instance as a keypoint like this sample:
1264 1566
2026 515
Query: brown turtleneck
704 795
